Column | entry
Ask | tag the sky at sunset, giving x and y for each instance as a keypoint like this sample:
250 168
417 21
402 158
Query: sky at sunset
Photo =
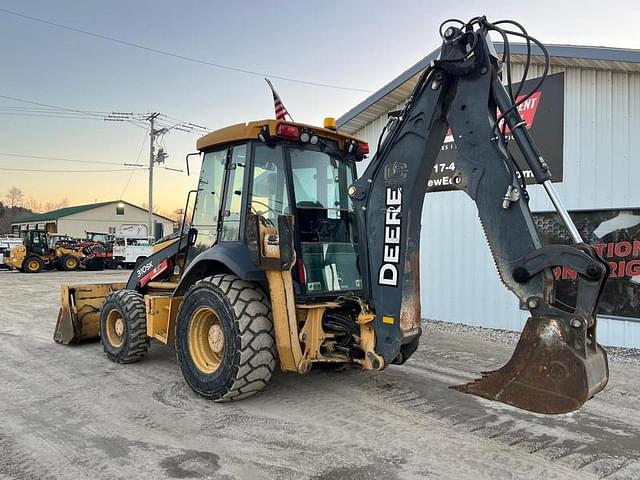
356 44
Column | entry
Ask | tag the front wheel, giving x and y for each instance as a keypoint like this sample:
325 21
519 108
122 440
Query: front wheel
32 265
123 327
224 338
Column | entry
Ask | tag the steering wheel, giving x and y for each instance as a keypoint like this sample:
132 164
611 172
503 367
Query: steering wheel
267 221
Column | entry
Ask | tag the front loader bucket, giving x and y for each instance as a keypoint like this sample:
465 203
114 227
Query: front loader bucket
551 371
79 314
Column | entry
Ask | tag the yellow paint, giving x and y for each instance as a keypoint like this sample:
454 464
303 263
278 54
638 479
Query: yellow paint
388 320
249 131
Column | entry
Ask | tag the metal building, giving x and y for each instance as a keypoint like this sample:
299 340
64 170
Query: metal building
103 217
599 183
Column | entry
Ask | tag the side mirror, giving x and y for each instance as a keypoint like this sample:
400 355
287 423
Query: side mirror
192 236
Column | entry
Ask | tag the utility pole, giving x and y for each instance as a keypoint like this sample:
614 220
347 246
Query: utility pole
152 157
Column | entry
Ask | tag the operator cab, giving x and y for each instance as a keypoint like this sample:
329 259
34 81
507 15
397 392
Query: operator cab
272 168
36 241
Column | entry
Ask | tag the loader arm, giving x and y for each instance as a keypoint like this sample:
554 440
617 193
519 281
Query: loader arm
557 364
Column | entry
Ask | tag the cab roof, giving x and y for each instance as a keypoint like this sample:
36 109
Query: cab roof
250 130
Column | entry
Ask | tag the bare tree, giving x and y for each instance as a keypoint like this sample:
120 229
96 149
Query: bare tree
32 204
15 197
53 205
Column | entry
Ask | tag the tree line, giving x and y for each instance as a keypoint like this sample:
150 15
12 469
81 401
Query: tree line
17 205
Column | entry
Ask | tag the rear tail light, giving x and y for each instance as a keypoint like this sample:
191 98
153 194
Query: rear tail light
358 148
302 278
288 131
363 148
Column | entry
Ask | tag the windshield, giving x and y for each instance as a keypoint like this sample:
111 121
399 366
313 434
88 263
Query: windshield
326 226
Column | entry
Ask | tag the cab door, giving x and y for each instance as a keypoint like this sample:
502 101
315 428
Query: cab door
206 212
232 219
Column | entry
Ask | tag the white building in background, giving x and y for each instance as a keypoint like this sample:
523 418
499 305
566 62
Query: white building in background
597 173
104 217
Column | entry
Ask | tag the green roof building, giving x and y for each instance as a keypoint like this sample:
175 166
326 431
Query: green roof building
101 217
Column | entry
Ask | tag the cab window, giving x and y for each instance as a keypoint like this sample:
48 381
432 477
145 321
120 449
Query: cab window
269 196
233 197
207 209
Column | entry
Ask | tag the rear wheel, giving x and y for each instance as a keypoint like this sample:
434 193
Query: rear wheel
69 263
32 265
123 327
224 338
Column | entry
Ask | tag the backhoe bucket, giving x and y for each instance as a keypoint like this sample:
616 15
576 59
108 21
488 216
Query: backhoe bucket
79 314
552 370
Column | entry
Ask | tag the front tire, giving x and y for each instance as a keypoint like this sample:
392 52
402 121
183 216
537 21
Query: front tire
69 263
32 265
123 327
224 338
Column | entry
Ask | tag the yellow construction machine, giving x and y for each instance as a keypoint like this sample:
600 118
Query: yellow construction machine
41 250
291 259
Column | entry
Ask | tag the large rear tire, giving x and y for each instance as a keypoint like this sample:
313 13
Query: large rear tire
32 265
123 327
69 263
224 338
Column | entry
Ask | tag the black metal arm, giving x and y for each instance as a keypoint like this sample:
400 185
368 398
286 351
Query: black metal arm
463 91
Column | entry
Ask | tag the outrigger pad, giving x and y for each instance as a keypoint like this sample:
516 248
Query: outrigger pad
545 374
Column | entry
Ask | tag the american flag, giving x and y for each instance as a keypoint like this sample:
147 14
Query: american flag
281 111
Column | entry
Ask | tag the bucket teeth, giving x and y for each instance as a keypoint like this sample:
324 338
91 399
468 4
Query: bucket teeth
546 374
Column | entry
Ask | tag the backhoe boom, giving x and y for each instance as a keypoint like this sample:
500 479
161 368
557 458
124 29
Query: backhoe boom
463 91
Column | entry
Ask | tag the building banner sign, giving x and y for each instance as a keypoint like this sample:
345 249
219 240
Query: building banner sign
543 113
615 234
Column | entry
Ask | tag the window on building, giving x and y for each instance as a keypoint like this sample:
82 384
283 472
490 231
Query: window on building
120 210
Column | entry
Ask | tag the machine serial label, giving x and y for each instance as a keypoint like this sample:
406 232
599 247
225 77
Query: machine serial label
388 274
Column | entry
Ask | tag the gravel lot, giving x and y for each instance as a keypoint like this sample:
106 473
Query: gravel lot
69 413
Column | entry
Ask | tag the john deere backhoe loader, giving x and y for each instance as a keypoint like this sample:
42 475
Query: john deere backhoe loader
291 259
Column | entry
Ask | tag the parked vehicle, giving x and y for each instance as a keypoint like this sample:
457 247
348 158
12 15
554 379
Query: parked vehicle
104 251
41 250
6 243
128 252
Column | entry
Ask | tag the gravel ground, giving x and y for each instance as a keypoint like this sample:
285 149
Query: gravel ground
616 355
69 413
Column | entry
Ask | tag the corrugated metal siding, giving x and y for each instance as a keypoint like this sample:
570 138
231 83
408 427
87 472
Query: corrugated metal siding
601 169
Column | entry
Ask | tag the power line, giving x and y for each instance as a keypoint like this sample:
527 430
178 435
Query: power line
21 108
67 171
44 115
66 109
144 140
182 57
57 107
20 155
137 119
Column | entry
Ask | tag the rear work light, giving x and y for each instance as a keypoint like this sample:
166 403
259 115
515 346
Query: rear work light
363 148
288 131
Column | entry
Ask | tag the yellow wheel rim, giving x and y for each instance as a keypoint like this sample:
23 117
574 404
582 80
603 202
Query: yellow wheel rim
115 328
206 340
33 265
72 263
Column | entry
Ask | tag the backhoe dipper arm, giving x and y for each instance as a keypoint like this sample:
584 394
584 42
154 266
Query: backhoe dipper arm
462 91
